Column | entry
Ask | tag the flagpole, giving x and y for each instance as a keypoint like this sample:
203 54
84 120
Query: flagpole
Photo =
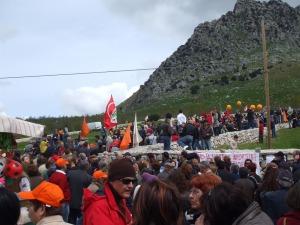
266 77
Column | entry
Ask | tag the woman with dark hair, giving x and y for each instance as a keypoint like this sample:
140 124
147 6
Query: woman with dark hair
187 170
274 202
269 182
178 179
9 207
157 203
293 201
200 185
227 205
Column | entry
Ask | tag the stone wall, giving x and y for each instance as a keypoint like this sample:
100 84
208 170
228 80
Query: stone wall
245 136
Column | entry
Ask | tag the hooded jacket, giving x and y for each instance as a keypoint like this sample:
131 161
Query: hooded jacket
253 215
104 209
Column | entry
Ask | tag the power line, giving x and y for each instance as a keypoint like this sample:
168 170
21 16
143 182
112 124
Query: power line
75 74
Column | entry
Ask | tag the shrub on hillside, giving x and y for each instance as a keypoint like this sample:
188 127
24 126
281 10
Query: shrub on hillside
194 89
153 117
224 80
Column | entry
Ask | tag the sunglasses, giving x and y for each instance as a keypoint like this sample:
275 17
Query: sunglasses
127 180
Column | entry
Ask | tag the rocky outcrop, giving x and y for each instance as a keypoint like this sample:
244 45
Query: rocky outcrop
229 45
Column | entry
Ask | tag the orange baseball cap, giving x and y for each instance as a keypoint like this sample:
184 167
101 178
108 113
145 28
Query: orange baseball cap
99 174
61 162
46 192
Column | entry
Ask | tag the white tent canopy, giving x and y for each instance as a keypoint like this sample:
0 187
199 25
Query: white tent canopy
17 126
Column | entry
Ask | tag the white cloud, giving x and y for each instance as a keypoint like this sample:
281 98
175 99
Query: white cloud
93 100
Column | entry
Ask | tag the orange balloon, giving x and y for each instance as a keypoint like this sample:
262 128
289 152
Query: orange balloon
228 107
259 106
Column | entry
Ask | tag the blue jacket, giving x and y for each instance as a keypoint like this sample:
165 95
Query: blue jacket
274 204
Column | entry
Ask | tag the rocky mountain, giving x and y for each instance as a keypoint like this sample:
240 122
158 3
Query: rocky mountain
225 50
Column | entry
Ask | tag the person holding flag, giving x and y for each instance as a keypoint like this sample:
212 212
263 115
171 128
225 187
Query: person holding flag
85 130
126 141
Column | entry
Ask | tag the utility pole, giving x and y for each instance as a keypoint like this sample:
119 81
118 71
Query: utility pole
266 77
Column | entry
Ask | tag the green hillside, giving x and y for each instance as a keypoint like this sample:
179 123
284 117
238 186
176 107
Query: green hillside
284 91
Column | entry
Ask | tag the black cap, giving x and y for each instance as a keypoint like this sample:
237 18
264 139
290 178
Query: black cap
120 168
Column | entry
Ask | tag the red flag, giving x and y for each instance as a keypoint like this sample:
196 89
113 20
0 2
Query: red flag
110 116
85 130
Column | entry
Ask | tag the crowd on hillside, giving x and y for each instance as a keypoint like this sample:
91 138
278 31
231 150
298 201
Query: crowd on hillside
190 132
195 132
163 189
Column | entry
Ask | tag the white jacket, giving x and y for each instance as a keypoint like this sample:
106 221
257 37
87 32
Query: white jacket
52 220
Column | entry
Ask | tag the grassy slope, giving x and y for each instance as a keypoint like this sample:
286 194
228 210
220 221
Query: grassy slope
284 91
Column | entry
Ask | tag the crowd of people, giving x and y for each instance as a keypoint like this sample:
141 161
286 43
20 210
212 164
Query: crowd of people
195 132
153 189
59 180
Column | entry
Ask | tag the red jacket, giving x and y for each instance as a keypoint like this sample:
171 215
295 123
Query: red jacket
209 118
59 178
291 218
104 209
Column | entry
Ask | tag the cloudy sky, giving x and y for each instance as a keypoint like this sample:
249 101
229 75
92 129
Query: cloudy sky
70 36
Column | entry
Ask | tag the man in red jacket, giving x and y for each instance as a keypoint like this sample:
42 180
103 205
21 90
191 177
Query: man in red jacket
111 209
59 178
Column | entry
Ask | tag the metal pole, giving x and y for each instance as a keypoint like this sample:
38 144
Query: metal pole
266 77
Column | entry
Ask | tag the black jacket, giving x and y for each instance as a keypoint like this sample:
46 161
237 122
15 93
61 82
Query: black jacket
274 203
78 179
165 130
189 129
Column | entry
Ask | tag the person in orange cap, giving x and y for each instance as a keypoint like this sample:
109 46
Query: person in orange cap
45 202
59 178
99 175
98 182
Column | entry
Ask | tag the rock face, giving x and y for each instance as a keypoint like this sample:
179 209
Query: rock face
230 45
